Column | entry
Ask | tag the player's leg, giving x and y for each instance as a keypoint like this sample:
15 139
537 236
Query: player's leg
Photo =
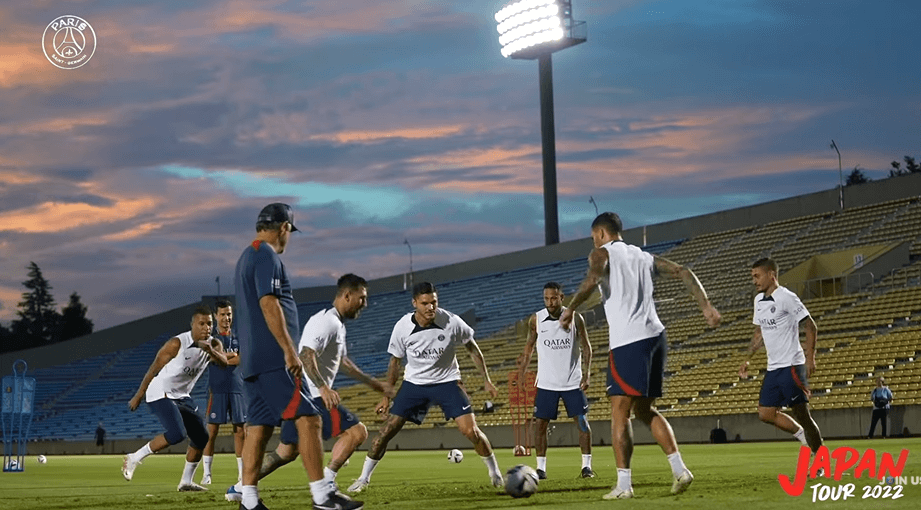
389 429
455 404
804 417
238 418
546 403
208 453
541 429
257 436
168 413
577 408
410 403
284 453
198 438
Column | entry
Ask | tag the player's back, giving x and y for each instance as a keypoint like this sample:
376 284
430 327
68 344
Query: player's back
627 295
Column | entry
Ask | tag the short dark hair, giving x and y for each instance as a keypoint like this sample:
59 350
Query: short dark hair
609 221
350 281
423 288
271 226
202 309
766 263
222 303
553 285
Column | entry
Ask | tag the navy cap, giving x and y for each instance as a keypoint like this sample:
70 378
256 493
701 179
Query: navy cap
277 213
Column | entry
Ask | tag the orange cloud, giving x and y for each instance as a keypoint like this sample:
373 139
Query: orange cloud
58 217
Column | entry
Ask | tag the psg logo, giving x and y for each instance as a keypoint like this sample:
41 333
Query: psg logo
69 42
773 309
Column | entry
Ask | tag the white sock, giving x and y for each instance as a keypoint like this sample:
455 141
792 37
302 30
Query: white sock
143 452
329 475
801 436
678 467
320 490
491 465
250 496
206 461
368 468
188 472
542 464
587 461
239 469
624 479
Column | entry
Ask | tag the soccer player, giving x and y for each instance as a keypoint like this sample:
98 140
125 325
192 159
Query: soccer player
427 337
225 388
273 379
777 319
560 374
637 341
167 388
323 351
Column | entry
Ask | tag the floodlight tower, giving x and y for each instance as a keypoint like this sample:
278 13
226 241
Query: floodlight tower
534 29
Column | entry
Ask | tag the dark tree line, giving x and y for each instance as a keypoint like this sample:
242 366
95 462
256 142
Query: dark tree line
39 322
911 167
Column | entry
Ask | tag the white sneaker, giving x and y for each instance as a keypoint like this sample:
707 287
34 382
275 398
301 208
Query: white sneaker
358 485
233 495
128 466
497 480
618 493
190 487
206 480
682 483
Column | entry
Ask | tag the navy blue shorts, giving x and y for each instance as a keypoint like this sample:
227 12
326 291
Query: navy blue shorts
275 396
179 418
547 403
784 387
413 401
226 407
637 369
335 422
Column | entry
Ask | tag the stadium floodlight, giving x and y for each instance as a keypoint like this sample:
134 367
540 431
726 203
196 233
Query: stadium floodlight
534 29
529 29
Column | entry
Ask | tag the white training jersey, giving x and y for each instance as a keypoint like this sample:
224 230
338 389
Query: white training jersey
778 315
627 295
177 378
559 355
430 351
324 333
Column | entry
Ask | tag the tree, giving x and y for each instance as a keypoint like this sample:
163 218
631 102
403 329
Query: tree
896 169
38 319
73 320
911 166
856 177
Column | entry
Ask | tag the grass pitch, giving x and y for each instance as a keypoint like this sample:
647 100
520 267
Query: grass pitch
727 477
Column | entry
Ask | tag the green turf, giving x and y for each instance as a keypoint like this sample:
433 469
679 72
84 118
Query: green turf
728 477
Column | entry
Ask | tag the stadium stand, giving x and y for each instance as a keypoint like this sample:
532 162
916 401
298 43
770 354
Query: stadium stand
872 331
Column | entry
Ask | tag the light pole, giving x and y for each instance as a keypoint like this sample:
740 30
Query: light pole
591 200
534 29
840 176
406 242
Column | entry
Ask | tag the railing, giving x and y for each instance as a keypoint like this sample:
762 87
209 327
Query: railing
832 286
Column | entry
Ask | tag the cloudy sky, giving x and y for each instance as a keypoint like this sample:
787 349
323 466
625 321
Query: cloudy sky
135 180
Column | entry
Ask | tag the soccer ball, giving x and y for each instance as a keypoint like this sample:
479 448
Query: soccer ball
455 456
521 481
519 451
42 459
12 465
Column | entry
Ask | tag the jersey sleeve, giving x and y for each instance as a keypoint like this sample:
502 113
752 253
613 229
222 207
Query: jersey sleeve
397 347
755 307
267 273
796 308
463 333
316 334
